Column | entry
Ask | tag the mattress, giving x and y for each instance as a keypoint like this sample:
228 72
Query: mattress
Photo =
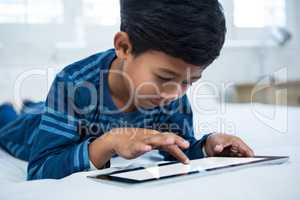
268 130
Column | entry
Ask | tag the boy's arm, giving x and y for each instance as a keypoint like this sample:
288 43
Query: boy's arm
181 123
58 150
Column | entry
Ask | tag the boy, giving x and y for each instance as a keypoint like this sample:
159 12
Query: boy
128 100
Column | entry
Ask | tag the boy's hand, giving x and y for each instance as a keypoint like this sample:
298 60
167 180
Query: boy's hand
227 146
130 143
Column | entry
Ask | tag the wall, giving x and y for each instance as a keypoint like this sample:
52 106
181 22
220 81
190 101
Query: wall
49 48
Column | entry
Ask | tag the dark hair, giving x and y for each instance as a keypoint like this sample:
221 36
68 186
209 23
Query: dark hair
192 30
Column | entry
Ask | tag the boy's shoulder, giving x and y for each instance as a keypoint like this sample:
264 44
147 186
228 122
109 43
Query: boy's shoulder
87 69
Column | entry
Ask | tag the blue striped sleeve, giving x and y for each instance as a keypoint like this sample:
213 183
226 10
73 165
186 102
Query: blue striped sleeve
57 150
178 118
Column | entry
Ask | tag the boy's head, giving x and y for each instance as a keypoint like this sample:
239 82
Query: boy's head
166 44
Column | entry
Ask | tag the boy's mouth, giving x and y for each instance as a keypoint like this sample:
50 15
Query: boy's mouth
159 102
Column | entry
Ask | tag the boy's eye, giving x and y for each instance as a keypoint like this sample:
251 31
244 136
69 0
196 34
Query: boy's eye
165 78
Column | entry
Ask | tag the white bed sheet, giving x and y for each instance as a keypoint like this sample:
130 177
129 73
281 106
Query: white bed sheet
266 182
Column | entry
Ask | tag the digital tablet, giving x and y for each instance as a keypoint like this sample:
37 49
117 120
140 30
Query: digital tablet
203 166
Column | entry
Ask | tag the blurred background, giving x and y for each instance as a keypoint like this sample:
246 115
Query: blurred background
40 37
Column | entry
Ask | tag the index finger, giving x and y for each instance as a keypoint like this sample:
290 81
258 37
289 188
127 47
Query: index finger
161 140
177 153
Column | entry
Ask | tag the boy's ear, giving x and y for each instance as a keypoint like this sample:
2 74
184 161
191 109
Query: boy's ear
122 45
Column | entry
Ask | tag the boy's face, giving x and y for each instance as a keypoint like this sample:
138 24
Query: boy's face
155 79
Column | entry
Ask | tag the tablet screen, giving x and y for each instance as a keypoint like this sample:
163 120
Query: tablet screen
157 172
173 169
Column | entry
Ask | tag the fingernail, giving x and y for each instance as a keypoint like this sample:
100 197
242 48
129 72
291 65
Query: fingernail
147 148
186 162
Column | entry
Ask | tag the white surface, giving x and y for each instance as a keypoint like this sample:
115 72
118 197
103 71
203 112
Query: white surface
266 182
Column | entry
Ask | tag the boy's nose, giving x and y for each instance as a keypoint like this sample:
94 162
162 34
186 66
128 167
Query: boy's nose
171 94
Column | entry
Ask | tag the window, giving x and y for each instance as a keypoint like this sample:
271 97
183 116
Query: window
102 12
259 13
31 11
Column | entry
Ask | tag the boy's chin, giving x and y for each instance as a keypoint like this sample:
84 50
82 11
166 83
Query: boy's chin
148 105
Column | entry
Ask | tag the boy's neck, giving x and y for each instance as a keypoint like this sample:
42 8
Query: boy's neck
118 87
